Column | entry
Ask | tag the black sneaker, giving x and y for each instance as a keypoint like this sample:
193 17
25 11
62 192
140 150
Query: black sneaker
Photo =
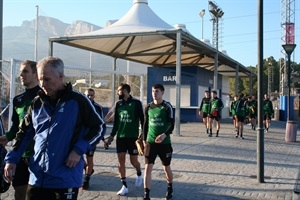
217 135
210 135
86 183
146 198
169 194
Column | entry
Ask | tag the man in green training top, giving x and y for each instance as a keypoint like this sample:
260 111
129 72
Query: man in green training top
268 112
233 112
21 103
128 115
159 124
240 115
251 108
204 109
216 105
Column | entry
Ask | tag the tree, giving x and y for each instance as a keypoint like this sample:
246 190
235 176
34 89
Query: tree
268 64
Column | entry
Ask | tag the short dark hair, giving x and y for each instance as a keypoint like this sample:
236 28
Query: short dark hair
206 91
31 64
159 86
214 91
91 90
125 86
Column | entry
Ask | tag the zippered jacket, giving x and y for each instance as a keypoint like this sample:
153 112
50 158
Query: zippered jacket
21 104
71 123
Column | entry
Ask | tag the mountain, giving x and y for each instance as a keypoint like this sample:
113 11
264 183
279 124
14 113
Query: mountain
19 44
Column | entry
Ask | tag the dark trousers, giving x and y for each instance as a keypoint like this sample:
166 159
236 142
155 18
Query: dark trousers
36 193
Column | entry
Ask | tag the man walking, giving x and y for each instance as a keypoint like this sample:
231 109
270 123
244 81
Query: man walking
268 112
204 109
159 124
64 126
21 102
216 105
240 110
128 115
89 164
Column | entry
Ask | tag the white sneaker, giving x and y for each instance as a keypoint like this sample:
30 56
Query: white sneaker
139 181
123 191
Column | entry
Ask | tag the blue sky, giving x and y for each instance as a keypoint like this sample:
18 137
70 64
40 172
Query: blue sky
239 24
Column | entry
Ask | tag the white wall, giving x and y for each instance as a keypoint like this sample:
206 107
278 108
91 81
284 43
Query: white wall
185 97
225 96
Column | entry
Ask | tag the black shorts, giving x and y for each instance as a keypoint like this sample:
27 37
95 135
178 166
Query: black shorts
204 114
252 116
267 116
217 118
91 152
240 118
36 193
127 145
22 173
164 151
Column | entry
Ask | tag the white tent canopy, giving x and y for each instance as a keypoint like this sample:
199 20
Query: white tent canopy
141 36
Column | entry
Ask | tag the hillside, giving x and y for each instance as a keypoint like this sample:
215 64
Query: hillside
19 43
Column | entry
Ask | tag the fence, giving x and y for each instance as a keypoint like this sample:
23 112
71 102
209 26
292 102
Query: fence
104 83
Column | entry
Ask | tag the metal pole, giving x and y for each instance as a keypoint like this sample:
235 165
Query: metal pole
289 87
202 13
202 27
113 84
269 79
91 59
237 80
142 88
178 83
216 58
1 39
12 88
250 86
260 130
36 33
50 50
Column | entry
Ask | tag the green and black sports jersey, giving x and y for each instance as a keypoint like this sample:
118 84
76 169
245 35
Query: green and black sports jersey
128 116
159 119
216 104
240 108
232 107
268 107
204 107
252 107
21 104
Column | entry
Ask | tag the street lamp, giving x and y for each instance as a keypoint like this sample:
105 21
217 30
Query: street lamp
202 13
289 48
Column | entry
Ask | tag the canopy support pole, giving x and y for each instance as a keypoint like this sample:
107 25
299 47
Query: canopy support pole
113 82
178 83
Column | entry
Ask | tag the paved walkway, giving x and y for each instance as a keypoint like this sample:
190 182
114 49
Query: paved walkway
207 168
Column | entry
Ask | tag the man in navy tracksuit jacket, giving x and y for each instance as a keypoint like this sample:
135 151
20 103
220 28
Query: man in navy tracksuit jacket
64 126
